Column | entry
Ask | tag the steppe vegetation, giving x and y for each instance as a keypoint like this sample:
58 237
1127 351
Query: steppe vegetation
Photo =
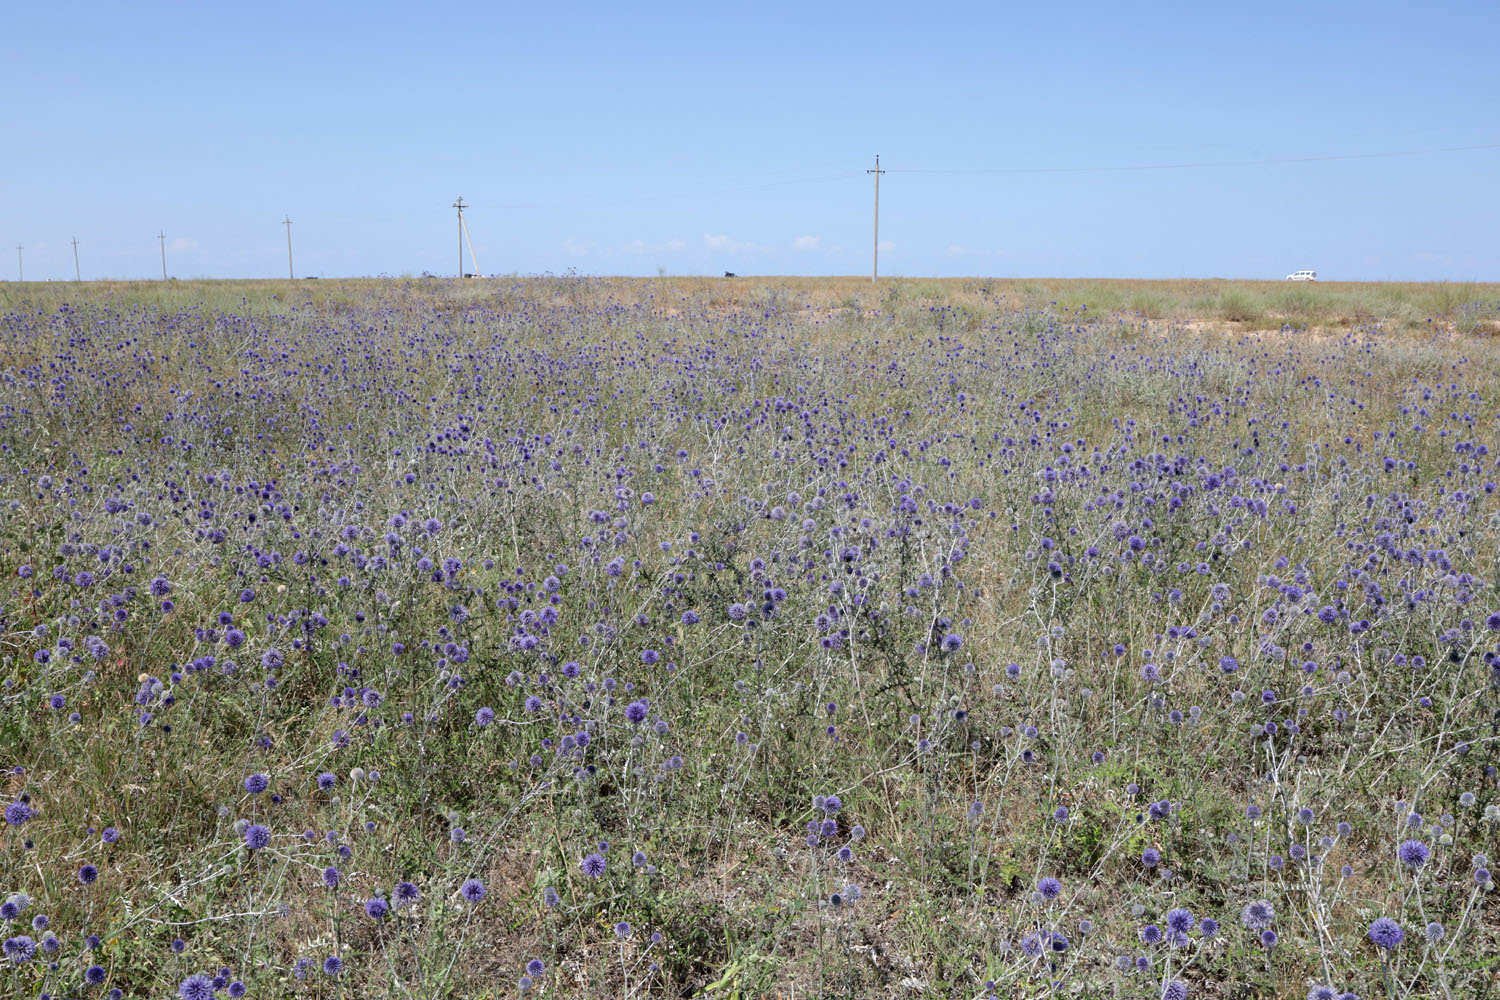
633 638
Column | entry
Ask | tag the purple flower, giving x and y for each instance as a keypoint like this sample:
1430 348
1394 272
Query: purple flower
1386 933
257 836
593 866
196 987
636 711
377 908
472 890
88 874
1258 915
1049 888
17 813
332 965
257 783
1413 854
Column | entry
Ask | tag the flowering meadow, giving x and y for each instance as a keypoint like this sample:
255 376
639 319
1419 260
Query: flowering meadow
607 638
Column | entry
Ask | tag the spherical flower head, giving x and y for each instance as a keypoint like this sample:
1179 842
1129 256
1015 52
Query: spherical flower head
1175 990
636 711
88 874
332 965
407 893
110 835
1386 933
622 930
332 877
1151 934
484 716
1208 927
952 643
178 946
1049 888
17 813
1258 915
257 836
94 975
593 866
1268 939
1435 932
1151 857
327 780
236 990
1413 854
257 783
535 968
376 908
20 949
472 890
196 987
1180 921
1321 993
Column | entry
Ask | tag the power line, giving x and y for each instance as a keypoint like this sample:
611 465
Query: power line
1274 161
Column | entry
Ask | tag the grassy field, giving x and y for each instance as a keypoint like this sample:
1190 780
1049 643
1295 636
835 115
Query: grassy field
749 637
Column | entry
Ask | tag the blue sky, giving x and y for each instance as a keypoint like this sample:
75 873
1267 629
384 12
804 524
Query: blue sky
697 138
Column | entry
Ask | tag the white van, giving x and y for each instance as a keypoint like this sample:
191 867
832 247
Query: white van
1302 276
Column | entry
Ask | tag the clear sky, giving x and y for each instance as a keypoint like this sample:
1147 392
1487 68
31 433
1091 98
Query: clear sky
633 138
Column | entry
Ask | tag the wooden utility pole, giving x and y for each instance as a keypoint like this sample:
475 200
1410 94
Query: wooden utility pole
76 275
162 236
459 204
287 221
875 261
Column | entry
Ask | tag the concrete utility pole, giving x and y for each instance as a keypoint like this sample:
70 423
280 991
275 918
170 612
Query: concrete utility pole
459 204
287 221
20 270
161 235
875 263
76 275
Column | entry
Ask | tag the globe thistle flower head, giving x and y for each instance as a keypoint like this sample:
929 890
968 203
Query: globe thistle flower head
1174 990
88 874
535 968
593 865
406 893
472 890
256 783
1049 888
332 965
1180 921
257 836
377 908
94 975
1258 915
1413 854
196 987
1386 933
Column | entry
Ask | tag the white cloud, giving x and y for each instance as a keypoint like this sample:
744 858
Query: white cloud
576 248
886 246
675 245
636 247
805 243
182 245
727 244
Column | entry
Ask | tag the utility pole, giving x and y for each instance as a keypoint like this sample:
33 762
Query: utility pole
287 221
76 275
161 235
20 269
459 206
875 262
